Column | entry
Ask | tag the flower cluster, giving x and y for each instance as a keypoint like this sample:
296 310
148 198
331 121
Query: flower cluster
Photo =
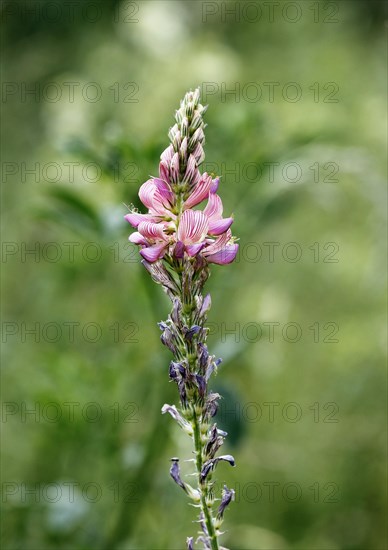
172 227
177 245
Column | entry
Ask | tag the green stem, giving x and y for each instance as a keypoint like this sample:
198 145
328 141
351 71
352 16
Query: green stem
197 425
202 487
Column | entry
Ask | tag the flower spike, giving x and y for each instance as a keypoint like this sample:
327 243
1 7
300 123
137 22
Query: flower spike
182 232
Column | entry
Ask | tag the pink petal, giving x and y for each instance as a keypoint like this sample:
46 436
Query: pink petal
196 178
214 208
193 249
219 243
217 227
137 238
163 171
146 193
191 170
224 256
153 253
152 230
215 184
151 198
200 192
183 149
164 191
193 227
174 168
134 218
199 154
167 155
179 250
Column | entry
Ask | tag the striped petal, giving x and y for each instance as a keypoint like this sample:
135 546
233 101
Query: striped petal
137 238
224 256
191 170
199 154
217 227
200 192
150 197
174 168
163 170
193 227
134 218
153 253
146 193
219 243
152 230
167 154
165 191
214 206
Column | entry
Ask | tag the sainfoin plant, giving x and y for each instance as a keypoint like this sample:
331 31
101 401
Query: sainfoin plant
178 243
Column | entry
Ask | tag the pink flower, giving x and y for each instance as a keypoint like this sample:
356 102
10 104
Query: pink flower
192 172
153 253
192 231
134 218
213 210
222 251
157 196
153 239
200 192
154 199
171 225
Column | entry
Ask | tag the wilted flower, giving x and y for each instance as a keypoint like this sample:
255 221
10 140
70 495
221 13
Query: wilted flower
212 463
227 497
186 426
176 474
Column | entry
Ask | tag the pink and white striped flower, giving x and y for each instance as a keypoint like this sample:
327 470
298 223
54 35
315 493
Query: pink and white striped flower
192 231
200 192
153 239
221 251
213 210
172 226
157 196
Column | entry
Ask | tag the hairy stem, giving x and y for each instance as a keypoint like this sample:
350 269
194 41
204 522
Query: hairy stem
197 437
207 514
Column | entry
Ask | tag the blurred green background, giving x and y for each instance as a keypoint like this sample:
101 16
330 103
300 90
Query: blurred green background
89 92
